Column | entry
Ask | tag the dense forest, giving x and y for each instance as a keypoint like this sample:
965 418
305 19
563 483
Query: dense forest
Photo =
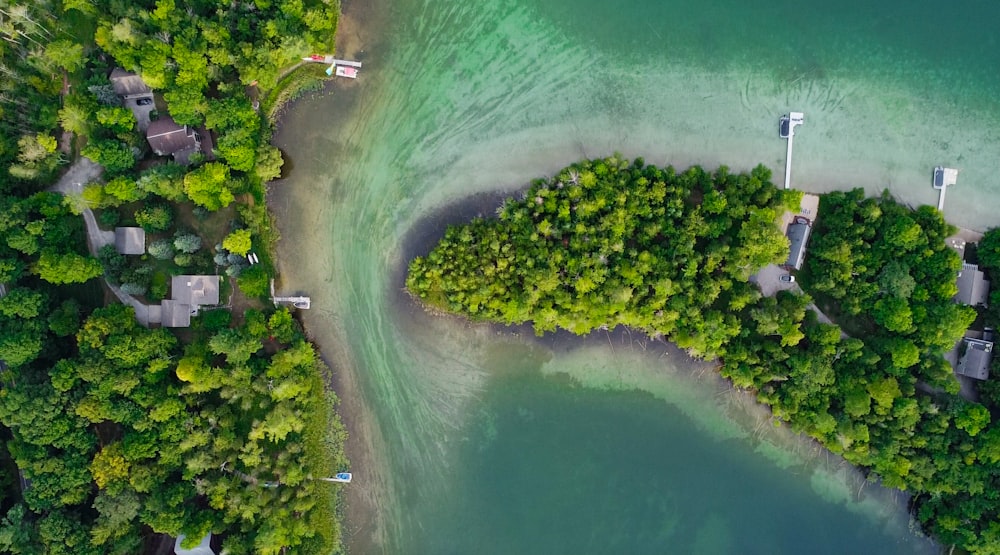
113 433
605 243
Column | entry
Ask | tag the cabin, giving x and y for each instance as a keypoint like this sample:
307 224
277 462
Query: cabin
973 287
134 94
798 238
204 547
167 138
976 358
130 240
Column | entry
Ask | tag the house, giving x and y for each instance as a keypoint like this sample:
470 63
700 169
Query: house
975 362
167 138
973 287
128 85
130 240
195 290
798 238
175 314
203 548
135 95
187 294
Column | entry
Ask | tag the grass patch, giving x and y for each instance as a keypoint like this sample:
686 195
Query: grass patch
309 77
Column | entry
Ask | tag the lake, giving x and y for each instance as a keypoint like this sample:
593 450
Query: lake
476 439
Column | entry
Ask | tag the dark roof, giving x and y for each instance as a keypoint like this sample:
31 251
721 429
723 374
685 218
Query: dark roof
798 236
175 314
195 290
130 240
975 363
973 288
166 137
127 84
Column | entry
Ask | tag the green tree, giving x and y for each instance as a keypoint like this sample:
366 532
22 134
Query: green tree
60 268
116 157
158 217
238 242
254 281
208 186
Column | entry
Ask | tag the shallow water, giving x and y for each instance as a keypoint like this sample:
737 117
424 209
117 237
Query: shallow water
467 439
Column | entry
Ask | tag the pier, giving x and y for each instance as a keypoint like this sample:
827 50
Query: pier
300 302
786 130
944 178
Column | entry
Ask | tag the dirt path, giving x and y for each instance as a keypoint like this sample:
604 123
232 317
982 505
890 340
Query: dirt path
81 172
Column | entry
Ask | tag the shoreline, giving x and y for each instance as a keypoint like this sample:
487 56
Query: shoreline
362 530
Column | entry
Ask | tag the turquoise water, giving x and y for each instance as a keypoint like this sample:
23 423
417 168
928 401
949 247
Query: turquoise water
469 439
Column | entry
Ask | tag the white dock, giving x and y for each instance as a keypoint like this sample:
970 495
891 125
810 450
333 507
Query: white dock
300 302
786 130
944 178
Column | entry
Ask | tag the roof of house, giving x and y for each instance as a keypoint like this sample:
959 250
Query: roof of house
127 83
195 290
166 137
973 288
203 548
975 363
175 314
130 240
798 236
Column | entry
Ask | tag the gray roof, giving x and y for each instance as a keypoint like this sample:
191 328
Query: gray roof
798 236
975 363
130 240
204 547
175 314
973 288
127 84
166 137
195 290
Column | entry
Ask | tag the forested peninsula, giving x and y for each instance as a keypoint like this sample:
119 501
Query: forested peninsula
609 242
134 159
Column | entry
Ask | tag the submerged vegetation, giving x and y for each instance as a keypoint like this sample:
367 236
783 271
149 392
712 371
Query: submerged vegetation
606 243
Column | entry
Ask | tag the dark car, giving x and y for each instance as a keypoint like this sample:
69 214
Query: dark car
144 101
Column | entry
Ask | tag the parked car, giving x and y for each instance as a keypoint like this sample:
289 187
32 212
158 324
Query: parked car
787 278
144 102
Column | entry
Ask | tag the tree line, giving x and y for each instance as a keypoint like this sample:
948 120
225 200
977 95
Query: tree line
605 243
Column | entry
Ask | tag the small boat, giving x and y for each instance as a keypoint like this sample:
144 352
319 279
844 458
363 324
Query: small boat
329 70
784 128
344 477
347 71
